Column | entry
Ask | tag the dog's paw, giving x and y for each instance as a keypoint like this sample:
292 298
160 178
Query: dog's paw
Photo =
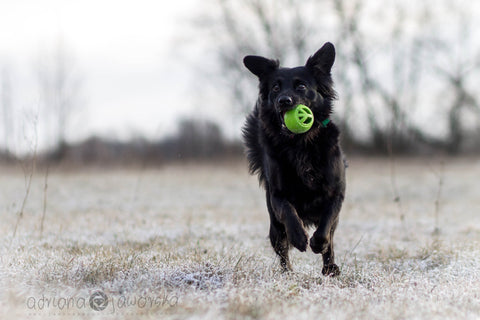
287 269
319 244
299 239
331 270
286 266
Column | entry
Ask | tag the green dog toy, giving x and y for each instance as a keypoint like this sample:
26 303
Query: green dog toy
299 119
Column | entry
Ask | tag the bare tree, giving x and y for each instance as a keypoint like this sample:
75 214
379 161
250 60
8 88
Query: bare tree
463 100
390 69
60 89
277 29
282 30
458 72
386 60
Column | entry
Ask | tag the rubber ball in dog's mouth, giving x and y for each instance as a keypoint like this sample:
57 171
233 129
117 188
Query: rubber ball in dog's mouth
299 119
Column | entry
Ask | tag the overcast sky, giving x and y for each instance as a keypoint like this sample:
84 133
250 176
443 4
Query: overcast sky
133 78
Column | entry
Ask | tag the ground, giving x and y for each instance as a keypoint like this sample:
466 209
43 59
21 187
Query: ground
190 241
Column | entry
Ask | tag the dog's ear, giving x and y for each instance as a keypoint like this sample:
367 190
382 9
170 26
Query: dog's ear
322 60
260 66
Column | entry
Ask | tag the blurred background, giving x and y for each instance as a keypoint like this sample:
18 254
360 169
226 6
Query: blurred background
95 82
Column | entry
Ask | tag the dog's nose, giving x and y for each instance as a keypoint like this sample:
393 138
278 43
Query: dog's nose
285 101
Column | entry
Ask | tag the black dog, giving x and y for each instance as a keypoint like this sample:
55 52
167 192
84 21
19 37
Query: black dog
303 174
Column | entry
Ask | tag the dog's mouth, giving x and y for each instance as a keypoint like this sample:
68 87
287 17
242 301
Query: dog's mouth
281 114
302 120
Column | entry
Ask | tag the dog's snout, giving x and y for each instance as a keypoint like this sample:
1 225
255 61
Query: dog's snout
285 101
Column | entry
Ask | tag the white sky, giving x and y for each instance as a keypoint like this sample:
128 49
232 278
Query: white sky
133 79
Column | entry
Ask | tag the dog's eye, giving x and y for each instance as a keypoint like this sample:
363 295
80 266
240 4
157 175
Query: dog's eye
301 87
276 88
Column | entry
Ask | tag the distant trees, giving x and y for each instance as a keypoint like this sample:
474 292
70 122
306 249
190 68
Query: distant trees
198 139
6 109
195 140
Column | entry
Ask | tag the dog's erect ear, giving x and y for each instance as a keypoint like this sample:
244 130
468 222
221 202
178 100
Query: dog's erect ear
323 59
260 66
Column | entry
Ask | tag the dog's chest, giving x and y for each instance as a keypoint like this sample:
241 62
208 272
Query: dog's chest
306 169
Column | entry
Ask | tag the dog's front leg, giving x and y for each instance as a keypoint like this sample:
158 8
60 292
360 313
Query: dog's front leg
322 242
287 215
322 239
283 210
278 237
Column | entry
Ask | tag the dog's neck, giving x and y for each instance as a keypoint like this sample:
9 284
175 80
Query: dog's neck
324 123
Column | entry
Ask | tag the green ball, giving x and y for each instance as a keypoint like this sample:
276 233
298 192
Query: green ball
299 119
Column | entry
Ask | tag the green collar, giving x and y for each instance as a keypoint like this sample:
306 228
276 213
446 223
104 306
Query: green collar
325 122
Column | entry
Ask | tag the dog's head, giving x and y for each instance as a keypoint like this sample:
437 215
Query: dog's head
281 89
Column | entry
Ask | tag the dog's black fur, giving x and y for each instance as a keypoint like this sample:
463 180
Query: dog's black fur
303 174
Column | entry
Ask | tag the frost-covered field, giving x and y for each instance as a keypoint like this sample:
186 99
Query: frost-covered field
191 242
